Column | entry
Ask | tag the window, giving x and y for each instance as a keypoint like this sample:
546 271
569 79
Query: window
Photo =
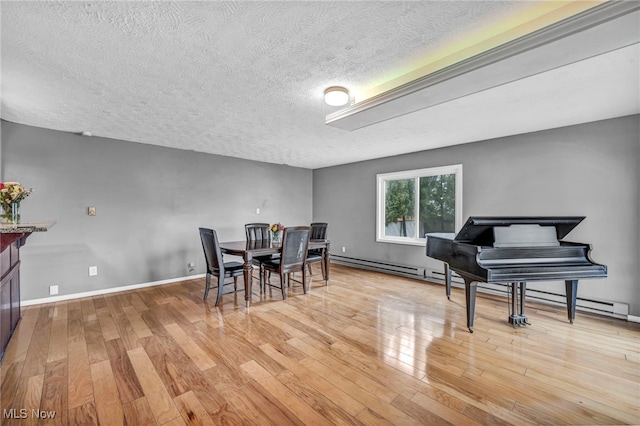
416 202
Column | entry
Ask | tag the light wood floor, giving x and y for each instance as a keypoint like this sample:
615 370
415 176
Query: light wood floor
368 349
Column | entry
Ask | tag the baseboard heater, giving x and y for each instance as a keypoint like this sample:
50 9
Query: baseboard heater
601 307
392 268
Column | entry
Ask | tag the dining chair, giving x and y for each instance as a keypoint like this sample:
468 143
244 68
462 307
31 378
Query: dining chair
318 232
215 264
258 232
293 258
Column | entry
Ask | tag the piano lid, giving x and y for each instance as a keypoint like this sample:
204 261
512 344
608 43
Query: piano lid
479 230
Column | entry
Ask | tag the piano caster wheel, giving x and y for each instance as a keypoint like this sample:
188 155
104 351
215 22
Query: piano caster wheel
470 330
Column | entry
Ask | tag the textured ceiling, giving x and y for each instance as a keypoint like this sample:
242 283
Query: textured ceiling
245 79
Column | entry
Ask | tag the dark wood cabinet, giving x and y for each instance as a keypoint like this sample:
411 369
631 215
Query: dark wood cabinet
9 293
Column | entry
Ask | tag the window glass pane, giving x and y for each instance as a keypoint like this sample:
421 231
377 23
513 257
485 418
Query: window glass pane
399 208
437 204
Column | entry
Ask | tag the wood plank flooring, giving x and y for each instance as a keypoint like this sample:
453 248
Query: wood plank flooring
369 349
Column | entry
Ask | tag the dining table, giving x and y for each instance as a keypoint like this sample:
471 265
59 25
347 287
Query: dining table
250 249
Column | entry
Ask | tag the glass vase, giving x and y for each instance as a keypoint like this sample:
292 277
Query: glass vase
11 213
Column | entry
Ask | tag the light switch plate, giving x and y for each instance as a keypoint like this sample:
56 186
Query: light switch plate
93 271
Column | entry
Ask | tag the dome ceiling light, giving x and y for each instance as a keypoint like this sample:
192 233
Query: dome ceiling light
336 96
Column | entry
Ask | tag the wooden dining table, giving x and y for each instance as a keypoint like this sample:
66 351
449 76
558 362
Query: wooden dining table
250 249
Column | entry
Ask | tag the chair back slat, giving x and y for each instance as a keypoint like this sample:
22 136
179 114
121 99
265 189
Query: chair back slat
257 231
319 231
211 247
295 244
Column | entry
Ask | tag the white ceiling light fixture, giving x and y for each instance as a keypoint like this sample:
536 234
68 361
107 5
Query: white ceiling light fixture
336 96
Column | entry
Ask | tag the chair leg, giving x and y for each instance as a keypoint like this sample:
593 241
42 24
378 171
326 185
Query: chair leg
309 267
235 283
283 287
304 281
220 287
207 286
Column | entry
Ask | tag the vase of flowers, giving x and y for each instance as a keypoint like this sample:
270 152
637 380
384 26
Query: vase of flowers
11 194
275 232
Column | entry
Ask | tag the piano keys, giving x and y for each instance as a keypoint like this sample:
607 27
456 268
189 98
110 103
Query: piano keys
514 251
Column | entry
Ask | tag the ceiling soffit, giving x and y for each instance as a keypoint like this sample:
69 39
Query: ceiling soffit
599 30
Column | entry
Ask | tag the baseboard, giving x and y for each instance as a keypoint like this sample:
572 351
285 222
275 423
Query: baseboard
373 265
632 318
106 291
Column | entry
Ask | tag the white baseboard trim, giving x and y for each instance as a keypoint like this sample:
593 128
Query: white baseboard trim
632 318
106 291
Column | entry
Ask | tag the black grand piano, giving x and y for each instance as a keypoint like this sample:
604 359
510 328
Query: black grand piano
514 250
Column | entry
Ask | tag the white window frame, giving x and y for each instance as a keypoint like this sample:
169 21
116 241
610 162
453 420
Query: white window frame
381 178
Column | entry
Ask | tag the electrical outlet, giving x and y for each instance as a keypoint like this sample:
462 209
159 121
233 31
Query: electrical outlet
53 290
344 249
191 264
258 210
93 271
91 211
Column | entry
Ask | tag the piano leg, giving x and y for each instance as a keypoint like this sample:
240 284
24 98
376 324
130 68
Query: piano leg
447 279
470 288
572 293
517 316
523 296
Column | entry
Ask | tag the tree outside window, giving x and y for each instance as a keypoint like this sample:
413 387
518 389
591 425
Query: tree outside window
437 204
399 206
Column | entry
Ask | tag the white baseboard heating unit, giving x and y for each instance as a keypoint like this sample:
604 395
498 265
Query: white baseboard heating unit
601 307
374 265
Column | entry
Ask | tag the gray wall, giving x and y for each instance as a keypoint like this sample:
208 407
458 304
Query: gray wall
588 170
150 201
